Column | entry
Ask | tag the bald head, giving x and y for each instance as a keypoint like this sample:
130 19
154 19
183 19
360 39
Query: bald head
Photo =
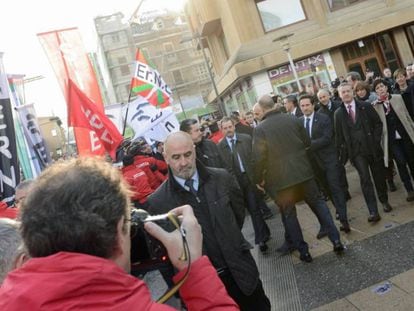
257 112
179 153
266 103
324 96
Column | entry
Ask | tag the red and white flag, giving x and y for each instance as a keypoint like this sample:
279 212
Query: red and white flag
65 51
84 113
148 83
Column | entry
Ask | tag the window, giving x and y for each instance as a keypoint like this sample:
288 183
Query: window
125 70
115 38
178 78
279 13
340 4
122 60
223 43
168 47
388 51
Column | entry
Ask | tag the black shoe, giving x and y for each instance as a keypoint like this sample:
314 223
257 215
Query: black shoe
306 257
338 247
374 218
348 196
387 207
391 185
321 234
336 216
285 249
345 227
263 247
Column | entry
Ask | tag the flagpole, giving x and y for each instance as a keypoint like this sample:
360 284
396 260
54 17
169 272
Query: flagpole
127 110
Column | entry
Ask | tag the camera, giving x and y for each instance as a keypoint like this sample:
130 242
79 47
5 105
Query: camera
335 83
147 253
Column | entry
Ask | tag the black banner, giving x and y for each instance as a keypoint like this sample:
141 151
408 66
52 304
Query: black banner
9 166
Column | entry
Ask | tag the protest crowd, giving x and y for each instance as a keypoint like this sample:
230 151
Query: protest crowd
67 238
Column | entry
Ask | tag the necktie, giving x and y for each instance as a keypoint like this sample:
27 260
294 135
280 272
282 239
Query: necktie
351 113
190 184
307 126
235 157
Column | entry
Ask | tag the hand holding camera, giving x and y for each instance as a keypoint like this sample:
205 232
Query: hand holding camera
173 241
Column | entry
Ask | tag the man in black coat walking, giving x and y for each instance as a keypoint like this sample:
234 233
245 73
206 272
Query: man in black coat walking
236 151
219 208
281 163
358 131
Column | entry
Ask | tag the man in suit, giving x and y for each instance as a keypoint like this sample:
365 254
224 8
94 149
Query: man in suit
281 165
219 208
328 107
206 150
236 151
358 132
290 103
323 153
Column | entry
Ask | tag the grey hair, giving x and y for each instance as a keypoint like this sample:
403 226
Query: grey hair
10 245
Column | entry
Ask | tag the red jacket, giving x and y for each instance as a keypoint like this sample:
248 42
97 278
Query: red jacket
73 281
8 212
216 137
155 177
138 181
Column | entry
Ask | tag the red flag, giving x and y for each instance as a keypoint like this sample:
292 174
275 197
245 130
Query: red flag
83 113
69 60
148 83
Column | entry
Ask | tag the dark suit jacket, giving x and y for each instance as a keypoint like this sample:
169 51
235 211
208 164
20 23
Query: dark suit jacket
371 125
329 112
226 208
244 129
244 149
322 144
298 112
207 153
279 152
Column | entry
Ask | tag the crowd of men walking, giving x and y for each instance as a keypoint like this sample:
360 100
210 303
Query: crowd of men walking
289 149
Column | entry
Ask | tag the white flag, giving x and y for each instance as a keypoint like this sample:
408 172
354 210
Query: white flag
150 122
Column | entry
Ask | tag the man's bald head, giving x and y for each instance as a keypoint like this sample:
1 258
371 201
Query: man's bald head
257 112
180 155
266 103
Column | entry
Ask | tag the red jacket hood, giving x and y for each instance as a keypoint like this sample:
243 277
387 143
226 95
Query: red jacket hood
72 281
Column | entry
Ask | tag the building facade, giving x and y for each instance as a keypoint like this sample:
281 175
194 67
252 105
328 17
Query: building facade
166 41
250 42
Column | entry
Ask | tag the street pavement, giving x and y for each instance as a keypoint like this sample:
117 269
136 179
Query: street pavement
375 272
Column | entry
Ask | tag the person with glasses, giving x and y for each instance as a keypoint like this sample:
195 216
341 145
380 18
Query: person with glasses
75 226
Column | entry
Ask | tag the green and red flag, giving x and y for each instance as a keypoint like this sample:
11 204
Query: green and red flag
148 83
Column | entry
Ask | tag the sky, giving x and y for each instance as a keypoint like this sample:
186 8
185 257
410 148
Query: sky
21 20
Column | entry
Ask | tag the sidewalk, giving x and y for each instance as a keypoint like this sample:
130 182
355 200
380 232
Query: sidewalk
376 254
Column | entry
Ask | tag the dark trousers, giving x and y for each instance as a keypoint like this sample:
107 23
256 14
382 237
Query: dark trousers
332 175
342 177
364 164
403 153
309 192
257 301
261 230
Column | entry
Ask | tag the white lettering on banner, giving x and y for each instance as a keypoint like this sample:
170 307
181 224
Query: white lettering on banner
95 142
96 122
151 76
4 149
299 66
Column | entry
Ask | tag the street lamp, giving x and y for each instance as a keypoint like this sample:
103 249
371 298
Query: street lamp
286 47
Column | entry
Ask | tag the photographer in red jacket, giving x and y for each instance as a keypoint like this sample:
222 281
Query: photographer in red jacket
76 225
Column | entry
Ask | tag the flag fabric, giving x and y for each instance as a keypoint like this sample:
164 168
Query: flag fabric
114 113
150 122
28 160
148 83
67 56
83 113
28 119
9 167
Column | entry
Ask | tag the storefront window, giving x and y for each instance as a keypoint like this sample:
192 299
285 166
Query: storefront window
312 72
340 4
279 13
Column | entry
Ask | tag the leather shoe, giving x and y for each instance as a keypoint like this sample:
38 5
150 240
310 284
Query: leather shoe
263 246
387 207
338 247
345 227
285 249
321 234
306 257
374 218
